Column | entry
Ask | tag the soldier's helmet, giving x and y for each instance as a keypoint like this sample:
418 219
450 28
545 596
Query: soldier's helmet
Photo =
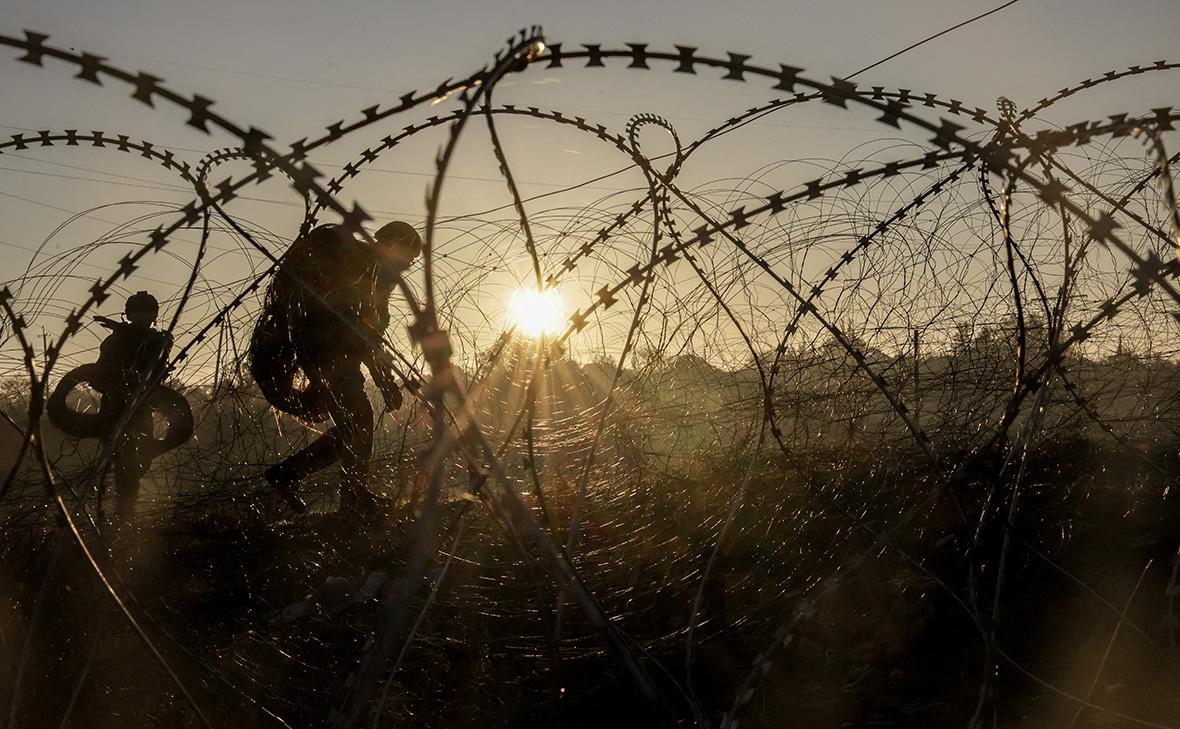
141 308
399 244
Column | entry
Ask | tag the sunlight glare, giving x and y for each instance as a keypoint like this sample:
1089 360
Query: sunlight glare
537 313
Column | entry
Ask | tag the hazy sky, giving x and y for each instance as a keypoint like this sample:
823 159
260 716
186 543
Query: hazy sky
293 67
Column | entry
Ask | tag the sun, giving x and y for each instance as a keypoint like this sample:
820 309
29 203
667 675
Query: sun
537 313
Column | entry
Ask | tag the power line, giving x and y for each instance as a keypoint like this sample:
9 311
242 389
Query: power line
930 38
163 186
770 111
583 185
255 74
103 269
320 163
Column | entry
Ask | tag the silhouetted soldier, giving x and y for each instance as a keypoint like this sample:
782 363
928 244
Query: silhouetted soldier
336 292
134 353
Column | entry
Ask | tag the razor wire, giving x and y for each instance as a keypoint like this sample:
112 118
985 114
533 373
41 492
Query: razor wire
607 448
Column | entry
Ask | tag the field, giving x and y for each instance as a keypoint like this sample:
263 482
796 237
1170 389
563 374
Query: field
885 438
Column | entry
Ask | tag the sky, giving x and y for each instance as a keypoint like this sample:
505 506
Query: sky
292 68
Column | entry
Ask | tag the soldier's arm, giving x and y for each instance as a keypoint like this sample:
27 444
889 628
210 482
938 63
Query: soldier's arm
380 365
160 364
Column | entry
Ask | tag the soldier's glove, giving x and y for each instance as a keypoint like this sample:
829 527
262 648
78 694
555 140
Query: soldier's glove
387 384
380 366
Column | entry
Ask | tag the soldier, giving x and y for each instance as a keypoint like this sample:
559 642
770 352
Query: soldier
330 301
134 353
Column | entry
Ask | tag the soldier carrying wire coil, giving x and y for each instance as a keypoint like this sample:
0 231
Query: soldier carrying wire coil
323 316
131 361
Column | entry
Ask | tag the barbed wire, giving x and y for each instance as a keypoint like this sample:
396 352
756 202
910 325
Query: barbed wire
618 478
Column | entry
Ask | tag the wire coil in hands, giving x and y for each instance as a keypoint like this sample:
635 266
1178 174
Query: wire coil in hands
162 401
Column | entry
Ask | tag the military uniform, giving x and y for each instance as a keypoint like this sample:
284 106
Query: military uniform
131 355
337 326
